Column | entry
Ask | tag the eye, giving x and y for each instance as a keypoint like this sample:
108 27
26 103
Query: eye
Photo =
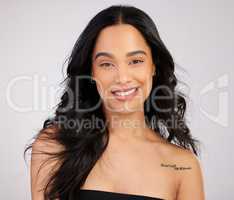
137 61
105 64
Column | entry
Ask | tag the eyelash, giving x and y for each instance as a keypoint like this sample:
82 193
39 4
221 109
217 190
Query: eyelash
103 64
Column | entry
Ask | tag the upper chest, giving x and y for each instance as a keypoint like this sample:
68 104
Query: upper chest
133 169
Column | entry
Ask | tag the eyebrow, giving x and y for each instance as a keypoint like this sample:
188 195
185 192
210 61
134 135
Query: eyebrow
132 53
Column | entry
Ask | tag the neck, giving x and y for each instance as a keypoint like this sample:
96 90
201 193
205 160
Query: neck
127 126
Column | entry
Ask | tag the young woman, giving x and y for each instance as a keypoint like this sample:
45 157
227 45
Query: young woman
121 134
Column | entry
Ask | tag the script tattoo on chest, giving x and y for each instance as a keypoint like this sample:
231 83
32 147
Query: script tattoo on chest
175 167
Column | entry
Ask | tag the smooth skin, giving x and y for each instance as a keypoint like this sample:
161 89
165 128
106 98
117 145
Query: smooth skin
136 161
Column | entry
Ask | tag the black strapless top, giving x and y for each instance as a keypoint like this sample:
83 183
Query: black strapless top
87 194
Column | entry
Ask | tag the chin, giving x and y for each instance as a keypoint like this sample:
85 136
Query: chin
126 107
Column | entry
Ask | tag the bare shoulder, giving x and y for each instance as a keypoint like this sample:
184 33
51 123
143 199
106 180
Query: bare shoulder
183 159
189 170
45 147
182 155
46 144
43 160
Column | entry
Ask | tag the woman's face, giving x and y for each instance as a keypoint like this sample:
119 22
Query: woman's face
122 67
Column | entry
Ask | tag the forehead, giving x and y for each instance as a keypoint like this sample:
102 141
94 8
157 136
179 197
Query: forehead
120 39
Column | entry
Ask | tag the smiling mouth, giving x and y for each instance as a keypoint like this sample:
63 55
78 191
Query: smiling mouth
124 95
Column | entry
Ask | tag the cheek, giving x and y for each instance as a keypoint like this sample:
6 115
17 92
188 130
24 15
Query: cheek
144 77
147 86
103 82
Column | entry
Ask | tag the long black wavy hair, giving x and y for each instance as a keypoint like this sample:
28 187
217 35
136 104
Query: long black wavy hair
83 145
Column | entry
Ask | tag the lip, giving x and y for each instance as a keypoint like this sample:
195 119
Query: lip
127 97
124 89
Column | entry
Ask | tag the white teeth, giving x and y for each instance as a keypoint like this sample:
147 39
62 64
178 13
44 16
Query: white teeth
125 93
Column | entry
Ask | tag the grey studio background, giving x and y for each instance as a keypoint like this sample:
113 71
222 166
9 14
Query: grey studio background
37 36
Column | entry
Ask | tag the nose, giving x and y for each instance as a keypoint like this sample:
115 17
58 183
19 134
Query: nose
122 75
